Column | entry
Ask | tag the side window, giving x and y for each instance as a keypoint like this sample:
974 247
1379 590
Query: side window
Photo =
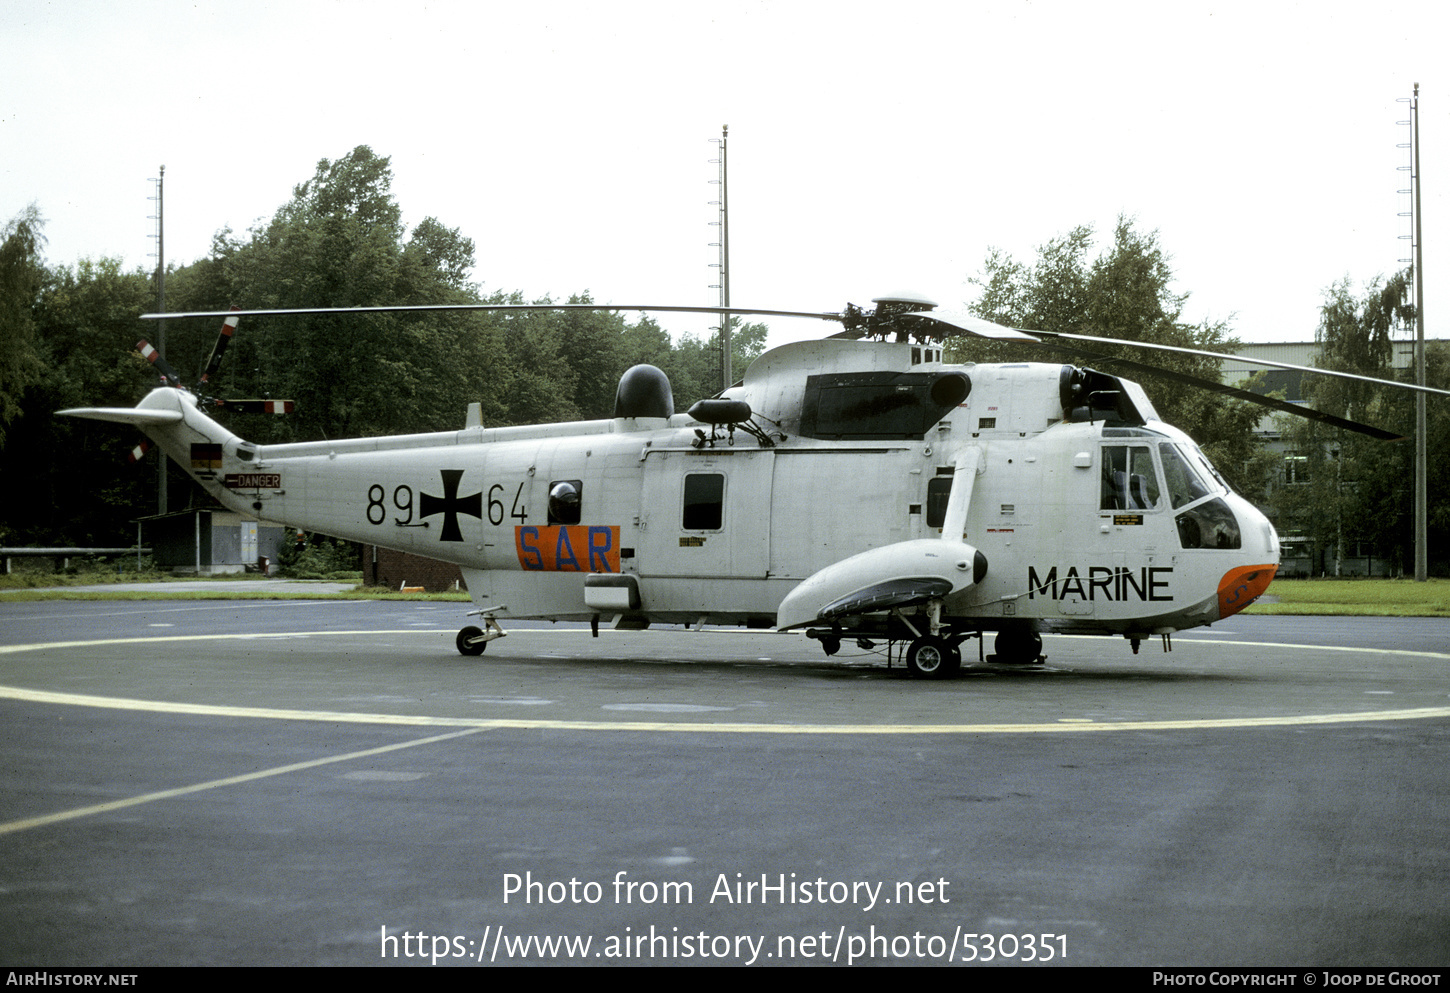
704 503
938 494
1142 479
565 500
1130 482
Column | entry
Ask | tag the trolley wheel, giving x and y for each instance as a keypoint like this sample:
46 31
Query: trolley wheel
466 644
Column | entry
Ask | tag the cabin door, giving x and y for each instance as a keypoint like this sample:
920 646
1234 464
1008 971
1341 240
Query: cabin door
706 515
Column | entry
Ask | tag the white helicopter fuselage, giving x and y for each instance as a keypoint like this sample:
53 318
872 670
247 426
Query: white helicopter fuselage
1033 518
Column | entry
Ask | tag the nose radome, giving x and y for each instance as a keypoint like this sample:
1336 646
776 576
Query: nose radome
1241 586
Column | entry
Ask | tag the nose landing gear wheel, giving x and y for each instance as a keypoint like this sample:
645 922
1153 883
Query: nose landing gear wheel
929 657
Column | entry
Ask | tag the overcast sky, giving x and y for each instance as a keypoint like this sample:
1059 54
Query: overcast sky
873 147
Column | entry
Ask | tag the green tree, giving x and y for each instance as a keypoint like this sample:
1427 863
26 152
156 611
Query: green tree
21 274
1351 493
747 343
592 345
435 258
1124 292
644 341
694 362
79 488
340 242
1437 444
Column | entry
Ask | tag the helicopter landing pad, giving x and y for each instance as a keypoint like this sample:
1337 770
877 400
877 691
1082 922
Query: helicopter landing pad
268 659
322 783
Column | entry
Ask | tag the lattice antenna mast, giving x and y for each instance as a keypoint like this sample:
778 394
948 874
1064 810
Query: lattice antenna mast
1417 260
727 376
160 256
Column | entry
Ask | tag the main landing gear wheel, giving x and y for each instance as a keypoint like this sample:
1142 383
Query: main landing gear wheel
466 644
1018 647
929 657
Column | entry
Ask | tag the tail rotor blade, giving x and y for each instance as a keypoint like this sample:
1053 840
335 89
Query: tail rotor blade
168 374
229 327
258 406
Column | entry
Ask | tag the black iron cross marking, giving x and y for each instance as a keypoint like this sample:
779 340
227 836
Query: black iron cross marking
451 505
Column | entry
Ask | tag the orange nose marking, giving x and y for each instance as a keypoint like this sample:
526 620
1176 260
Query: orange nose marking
1242 586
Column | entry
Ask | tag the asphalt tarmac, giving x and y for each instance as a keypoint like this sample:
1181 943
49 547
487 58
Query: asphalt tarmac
259 783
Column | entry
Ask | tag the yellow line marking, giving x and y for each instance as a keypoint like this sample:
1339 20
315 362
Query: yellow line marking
101 808
610 632
485 723
1073 726
253 636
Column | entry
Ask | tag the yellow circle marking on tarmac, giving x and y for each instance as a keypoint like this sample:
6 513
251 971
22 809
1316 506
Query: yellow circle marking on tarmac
343 717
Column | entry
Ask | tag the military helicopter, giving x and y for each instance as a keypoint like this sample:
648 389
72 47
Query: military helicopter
855 487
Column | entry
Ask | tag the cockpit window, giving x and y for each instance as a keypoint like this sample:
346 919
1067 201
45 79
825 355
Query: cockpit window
1185 484
1207 466
1208 525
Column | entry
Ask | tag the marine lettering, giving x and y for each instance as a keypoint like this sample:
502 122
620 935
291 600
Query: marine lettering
1113 583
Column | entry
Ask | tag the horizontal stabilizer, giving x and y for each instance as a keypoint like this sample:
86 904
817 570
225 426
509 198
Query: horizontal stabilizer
125 415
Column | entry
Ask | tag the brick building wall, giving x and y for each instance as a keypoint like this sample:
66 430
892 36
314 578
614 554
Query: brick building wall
391 569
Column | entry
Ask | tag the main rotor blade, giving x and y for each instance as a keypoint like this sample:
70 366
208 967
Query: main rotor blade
1238 393
1236 358
1274 403
957 320
444 307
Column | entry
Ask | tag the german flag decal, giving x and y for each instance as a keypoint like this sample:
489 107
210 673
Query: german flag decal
206 456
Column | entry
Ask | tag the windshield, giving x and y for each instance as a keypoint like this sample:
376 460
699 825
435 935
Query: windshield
1202 461
1185 482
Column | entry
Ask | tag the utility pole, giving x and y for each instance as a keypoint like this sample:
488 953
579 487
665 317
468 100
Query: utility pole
160 325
